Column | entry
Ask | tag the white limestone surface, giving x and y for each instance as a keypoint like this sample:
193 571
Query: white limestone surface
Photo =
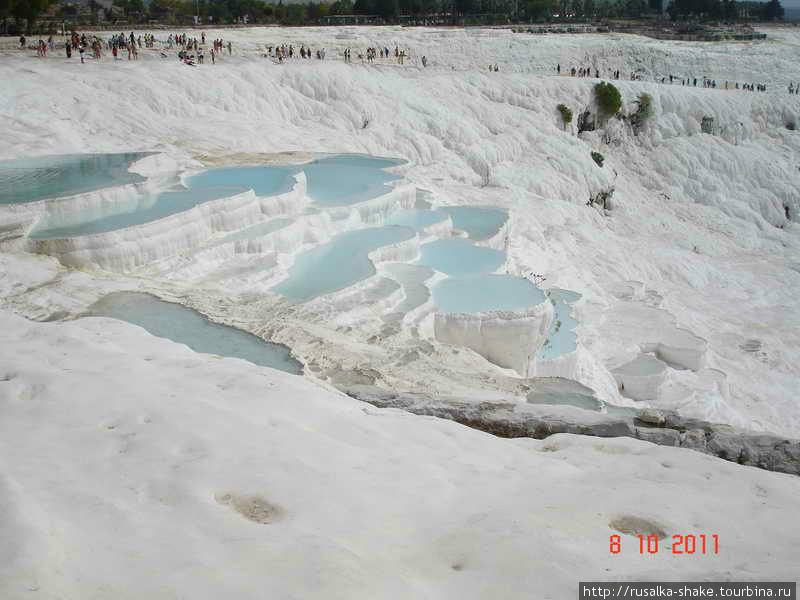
212 477
642 378
700 220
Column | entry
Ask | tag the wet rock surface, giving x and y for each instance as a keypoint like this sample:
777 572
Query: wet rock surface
511 419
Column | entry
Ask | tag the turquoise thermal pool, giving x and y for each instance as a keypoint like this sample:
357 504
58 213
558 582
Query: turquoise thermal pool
348 179
416 219
457 256
585 401
485 293
561 338
263 180
478 222
126 213
42 177
338 264
331 181
186 326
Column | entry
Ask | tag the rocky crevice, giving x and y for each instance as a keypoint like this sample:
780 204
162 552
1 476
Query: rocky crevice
665 428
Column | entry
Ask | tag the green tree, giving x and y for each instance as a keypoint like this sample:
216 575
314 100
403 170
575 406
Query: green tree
220 13
643 112
295 14
634 8
364 7
729 10
427 7
136 7
6 9
93 8
342 7
609 100
387 9
541 9
29 10
772 11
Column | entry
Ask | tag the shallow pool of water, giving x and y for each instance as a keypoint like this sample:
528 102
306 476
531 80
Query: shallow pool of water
484 293
423 199
561 339
412 278
348 179
42 177
478 222
336 180
457 256
264 180
623 411
584 401
644 365
338 264
186 326
416 219
127 213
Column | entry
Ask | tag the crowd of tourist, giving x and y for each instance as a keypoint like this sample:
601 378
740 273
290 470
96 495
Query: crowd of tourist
191 50
130 43
372 54
673 79
285 51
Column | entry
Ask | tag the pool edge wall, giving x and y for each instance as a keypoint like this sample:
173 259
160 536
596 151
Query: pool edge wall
131 247
508 339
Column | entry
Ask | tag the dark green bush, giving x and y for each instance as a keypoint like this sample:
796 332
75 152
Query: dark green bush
586 122
643 112
609 100
598 158
645 103
566 114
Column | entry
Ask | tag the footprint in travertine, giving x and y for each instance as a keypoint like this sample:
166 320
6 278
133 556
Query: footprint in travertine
756 348
630 525
750 345
253 508
15 388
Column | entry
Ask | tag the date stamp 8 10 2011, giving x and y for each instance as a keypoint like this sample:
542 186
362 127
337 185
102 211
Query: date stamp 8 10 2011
689 544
